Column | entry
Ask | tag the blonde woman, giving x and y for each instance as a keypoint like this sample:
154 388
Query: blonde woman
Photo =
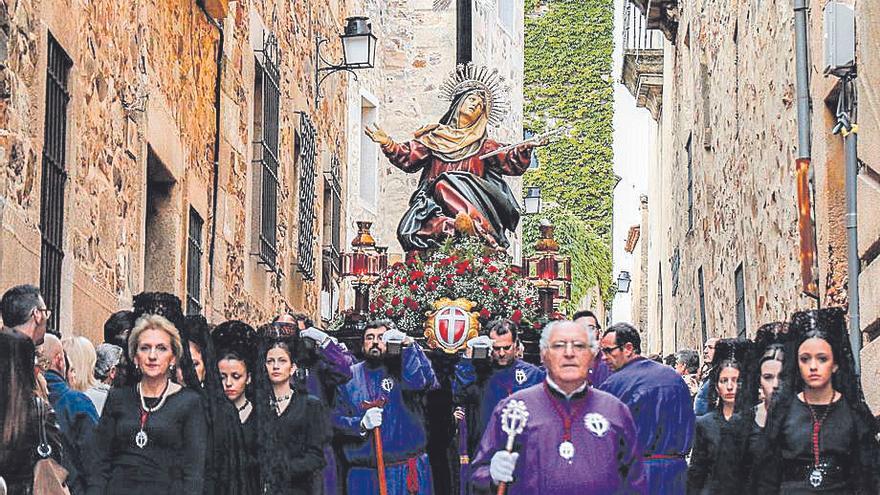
81 359
151 438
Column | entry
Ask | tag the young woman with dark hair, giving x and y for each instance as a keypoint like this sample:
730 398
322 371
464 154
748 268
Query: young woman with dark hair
820 433
19 416
292 426
721 438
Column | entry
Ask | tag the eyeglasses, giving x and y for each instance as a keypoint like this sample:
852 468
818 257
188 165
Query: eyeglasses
499 348
576 346
609 350
46 311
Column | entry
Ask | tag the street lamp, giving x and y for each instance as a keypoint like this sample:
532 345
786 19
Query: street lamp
532 200
358 51
623 281
363 264
548 270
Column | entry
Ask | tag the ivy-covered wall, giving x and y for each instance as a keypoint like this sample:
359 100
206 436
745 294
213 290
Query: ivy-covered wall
568 82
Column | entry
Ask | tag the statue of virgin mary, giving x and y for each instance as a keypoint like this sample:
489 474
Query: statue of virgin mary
459 188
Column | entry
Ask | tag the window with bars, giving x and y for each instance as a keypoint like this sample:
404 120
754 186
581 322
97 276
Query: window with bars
690 183
54 177
194 264
330 255
704 331
740 301
265 150
307 176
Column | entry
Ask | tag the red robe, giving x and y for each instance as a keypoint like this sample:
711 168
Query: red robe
471 186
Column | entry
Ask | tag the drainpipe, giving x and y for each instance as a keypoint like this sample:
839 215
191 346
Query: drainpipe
846 127
215 186
802 73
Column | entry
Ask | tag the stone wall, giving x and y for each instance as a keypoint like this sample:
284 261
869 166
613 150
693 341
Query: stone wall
729 98
142 84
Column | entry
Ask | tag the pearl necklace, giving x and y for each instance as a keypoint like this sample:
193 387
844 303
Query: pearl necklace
141 438
276 402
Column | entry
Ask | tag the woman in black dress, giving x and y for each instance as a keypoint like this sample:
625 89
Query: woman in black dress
235 344
820 432
292 426
716 465
151 437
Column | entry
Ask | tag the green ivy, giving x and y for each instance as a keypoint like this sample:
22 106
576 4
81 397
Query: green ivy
568 47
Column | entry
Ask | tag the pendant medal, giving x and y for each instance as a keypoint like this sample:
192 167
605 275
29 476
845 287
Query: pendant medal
141 439
566 450
816 478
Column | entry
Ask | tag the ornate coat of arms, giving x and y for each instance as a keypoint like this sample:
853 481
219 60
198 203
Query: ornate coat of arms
451 324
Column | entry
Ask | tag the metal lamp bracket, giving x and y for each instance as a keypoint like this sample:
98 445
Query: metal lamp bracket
325 66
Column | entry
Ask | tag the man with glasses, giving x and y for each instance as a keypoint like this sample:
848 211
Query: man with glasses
660 403
480 384
25 313
577 439
599 371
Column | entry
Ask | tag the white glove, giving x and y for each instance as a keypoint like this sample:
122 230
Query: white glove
315 334
372 418
393 336
502 466
481 341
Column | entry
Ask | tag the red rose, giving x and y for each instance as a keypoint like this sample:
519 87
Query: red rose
389 312
536 325
529 301
486 260
395 301
413 304
495 290
492 269
431 286
413 287
417 274
516 317
433 279
485 314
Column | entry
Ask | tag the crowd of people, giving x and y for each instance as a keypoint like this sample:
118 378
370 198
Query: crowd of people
171 404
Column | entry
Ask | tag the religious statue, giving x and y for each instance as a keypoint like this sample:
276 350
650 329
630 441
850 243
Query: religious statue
461 186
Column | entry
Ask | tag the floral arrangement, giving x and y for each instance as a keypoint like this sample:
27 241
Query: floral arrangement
463 267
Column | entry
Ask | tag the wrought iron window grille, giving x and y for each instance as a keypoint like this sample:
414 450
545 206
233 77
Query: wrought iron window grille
331 256
307 216
266 149
194 263
54 178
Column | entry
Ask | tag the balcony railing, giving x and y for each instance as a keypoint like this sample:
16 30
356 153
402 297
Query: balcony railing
642 70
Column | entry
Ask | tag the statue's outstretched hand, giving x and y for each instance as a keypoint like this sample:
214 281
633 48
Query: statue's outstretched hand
378 135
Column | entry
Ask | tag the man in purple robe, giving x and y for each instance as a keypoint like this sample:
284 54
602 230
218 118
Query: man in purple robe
386 392
479 385
599 370
660 403
324 364
577 439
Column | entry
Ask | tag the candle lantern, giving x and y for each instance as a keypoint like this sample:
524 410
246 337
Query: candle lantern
363 265
548 271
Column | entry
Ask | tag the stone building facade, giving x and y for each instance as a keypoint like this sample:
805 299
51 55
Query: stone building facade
108 154
723 239
116 177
